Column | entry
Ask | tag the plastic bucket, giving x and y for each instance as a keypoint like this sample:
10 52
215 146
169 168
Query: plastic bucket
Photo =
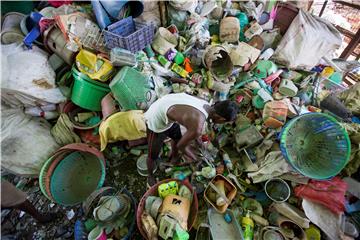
88 94
10 29
288 88
315 145
218 61
153 191
142 166
163 41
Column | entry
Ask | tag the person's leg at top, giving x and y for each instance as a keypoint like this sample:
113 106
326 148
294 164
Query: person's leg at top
155 143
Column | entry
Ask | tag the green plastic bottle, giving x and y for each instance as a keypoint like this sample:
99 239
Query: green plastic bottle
248 227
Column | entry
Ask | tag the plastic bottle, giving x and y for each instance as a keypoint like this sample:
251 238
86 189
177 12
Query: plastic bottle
38 112
248 227
227 161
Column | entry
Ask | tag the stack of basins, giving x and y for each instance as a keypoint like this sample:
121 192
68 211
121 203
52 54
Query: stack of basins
72 173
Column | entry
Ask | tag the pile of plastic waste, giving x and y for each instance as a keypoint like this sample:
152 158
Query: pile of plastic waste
77 78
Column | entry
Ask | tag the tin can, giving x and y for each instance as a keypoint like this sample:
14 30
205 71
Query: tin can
196 78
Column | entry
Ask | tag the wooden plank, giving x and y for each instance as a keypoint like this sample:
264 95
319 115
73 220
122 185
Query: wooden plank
349 4
323 8
351 46
344 31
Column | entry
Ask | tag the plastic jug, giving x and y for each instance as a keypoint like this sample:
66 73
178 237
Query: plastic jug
167 226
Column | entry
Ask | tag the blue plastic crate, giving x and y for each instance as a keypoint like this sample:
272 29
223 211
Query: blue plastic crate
129 35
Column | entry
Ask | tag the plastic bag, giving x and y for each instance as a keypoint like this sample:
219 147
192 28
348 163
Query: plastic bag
26 142
327 193
27 78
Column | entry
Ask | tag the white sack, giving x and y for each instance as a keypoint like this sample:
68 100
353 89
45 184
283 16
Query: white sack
307 40
28 73
26 142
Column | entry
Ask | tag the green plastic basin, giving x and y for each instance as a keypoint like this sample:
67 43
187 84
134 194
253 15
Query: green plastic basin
88 93
76 177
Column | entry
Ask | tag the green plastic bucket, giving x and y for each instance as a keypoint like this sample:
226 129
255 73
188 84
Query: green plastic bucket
316 145
87 93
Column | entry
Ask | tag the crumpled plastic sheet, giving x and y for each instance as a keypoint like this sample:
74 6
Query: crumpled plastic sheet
351 98
274 165
330 194
63 131
326 220
353 129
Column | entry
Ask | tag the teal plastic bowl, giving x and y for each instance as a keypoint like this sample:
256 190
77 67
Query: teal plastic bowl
315 145
76 177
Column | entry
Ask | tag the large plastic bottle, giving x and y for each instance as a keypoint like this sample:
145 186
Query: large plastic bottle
227 161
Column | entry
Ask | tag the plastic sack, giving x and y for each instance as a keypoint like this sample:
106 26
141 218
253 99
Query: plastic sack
294 50
26 142
188 5
327 193
27 78
151 17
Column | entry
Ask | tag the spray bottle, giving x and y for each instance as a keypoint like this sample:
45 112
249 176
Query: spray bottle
248 227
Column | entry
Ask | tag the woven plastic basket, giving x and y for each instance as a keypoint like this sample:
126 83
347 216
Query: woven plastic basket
316 145
129 35
130 88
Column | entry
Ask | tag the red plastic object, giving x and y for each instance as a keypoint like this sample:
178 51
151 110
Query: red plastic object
87 136
330 194
108 105
153 192
59 3
85 148
60 155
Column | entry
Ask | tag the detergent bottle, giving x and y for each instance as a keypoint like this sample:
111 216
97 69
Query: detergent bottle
248 227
